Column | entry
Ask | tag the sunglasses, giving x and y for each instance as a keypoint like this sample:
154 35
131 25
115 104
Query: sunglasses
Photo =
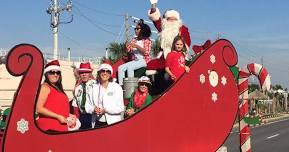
54 72
105 71
83 72
143 84
137 28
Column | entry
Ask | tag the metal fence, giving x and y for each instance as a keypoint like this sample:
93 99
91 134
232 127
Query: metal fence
49 56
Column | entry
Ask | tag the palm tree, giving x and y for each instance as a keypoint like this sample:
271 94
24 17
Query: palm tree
156 48
279 97
253 87
116 51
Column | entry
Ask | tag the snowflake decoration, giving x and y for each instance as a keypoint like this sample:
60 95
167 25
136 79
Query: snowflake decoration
22 126
213 58
224 80
202 79
214 97
214 78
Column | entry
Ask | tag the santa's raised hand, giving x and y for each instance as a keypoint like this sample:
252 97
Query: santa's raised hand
153 5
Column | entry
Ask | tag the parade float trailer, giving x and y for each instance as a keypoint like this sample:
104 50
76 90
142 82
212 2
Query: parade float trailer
196 113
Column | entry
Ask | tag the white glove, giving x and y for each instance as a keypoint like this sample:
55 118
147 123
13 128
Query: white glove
154 1
73 124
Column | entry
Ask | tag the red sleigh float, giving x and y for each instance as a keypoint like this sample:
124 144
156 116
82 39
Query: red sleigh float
195 114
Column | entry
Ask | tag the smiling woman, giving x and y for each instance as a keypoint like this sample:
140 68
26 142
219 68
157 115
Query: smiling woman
52 104
106 103
140 97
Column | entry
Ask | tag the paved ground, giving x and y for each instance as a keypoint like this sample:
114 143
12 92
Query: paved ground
272 136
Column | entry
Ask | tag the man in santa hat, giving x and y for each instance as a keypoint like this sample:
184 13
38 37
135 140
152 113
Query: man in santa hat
169 27
81 91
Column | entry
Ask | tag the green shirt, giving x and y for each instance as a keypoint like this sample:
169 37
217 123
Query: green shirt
130 105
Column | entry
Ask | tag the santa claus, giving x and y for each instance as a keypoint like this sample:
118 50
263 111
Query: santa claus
169 27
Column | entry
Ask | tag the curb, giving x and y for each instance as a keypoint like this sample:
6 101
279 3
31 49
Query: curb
268 119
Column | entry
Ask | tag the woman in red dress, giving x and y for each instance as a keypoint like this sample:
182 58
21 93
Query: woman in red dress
53 104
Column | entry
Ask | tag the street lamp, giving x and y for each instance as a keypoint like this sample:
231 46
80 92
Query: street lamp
68 54
106 53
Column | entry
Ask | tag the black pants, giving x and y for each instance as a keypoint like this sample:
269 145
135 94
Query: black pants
85 120
99 124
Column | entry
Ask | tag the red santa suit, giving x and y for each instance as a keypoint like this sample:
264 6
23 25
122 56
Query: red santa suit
183 31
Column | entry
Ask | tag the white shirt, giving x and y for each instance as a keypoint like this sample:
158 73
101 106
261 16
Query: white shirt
78 92
110 98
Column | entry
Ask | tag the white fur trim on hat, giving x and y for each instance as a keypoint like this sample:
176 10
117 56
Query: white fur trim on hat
144 79
154 16
105 66
154 1
172 13
52 67
77 124
84 70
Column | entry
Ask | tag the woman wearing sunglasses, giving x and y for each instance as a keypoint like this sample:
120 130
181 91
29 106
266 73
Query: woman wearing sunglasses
106 99
141 97
139 49
53 104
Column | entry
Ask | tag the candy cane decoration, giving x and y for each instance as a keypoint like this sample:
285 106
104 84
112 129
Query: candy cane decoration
264 79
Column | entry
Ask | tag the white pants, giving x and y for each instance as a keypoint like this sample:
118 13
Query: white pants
130 67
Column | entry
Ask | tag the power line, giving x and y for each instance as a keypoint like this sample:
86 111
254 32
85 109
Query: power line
94 24
120 33
98 22
54 10
98 11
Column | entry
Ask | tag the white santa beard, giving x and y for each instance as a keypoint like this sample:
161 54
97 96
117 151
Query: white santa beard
169 31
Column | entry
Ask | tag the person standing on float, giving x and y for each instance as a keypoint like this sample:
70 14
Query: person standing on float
169 26
105 99
81 93
53 105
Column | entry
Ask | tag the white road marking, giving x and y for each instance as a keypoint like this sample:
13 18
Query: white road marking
272 136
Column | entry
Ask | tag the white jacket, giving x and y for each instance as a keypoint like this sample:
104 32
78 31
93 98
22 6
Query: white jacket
112 101
78 92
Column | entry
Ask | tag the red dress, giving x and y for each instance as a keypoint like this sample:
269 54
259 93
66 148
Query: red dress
176 63
56 102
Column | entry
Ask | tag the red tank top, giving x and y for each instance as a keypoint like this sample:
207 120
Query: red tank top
56 102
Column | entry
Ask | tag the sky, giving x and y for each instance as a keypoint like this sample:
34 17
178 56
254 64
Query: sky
259 30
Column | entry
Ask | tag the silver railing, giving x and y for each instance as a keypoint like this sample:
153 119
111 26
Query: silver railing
49 56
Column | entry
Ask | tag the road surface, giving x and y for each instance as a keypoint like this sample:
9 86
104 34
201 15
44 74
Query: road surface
272 137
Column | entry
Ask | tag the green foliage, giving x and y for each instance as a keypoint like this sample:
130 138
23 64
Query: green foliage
116 51
277 87
253 87
156 48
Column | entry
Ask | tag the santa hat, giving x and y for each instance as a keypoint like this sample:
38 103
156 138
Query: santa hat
172 13
144 79
52 65
84 67
105 66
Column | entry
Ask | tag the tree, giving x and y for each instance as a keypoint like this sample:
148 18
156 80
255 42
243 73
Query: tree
279 96
277 87
2 59
116 51
253 87
156 48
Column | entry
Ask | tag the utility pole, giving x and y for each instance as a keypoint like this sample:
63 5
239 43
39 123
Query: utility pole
126 27
54 10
